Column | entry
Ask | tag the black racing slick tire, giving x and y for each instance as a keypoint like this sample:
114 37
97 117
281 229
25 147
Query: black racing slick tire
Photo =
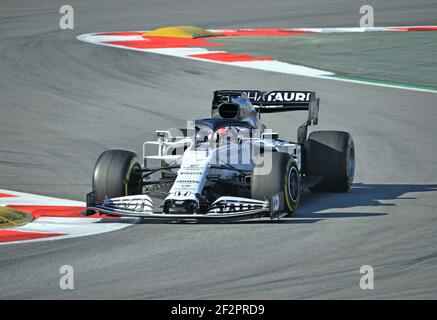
283 177
331 156
116 174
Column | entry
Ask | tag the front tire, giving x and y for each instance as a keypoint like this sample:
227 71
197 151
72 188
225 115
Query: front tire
331 156
283 177
116 174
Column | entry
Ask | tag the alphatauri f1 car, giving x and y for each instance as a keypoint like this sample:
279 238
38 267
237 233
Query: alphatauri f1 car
226 167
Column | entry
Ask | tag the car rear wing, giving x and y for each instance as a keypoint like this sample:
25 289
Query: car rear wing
272 102
275 101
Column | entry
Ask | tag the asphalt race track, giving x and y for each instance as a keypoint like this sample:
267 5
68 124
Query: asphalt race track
63 102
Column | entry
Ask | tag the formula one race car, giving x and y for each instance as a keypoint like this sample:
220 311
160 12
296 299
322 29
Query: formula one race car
228 166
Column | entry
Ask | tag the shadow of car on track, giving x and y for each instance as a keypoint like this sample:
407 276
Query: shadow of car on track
360 195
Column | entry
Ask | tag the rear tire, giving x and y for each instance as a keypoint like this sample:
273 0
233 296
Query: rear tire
283 177
331 155
116 174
